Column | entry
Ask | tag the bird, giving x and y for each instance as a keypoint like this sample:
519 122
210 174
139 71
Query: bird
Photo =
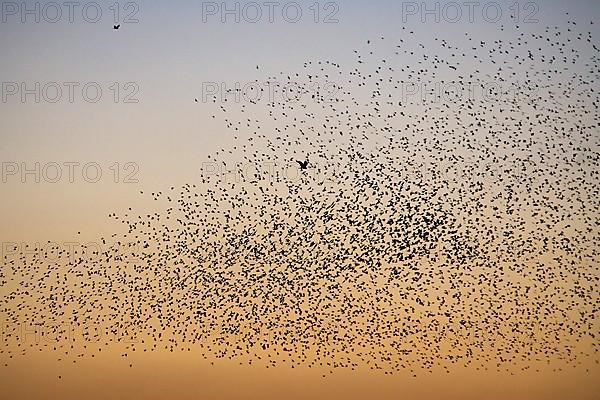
303 164
453 227
115 27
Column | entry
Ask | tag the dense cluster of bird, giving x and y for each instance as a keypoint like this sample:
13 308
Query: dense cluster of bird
433 204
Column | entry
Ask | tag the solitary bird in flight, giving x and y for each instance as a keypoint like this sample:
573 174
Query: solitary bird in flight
115 27
303 164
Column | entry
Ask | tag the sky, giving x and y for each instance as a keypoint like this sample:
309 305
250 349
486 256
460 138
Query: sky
91 115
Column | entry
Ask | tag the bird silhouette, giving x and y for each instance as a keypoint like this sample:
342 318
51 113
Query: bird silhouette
303 164
437 231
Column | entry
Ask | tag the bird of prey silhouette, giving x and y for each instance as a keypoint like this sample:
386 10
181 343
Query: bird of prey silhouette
303 164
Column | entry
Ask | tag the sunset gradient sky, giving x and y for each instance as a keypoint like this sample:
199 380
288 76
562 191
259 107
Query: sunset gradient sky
163 138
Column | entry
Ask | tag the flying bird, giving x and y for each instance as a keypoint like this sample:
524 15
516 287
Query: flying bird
303 164
446 232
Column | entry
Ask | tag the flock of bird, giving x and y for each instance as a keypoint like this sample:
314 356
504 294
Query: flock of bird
381 224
